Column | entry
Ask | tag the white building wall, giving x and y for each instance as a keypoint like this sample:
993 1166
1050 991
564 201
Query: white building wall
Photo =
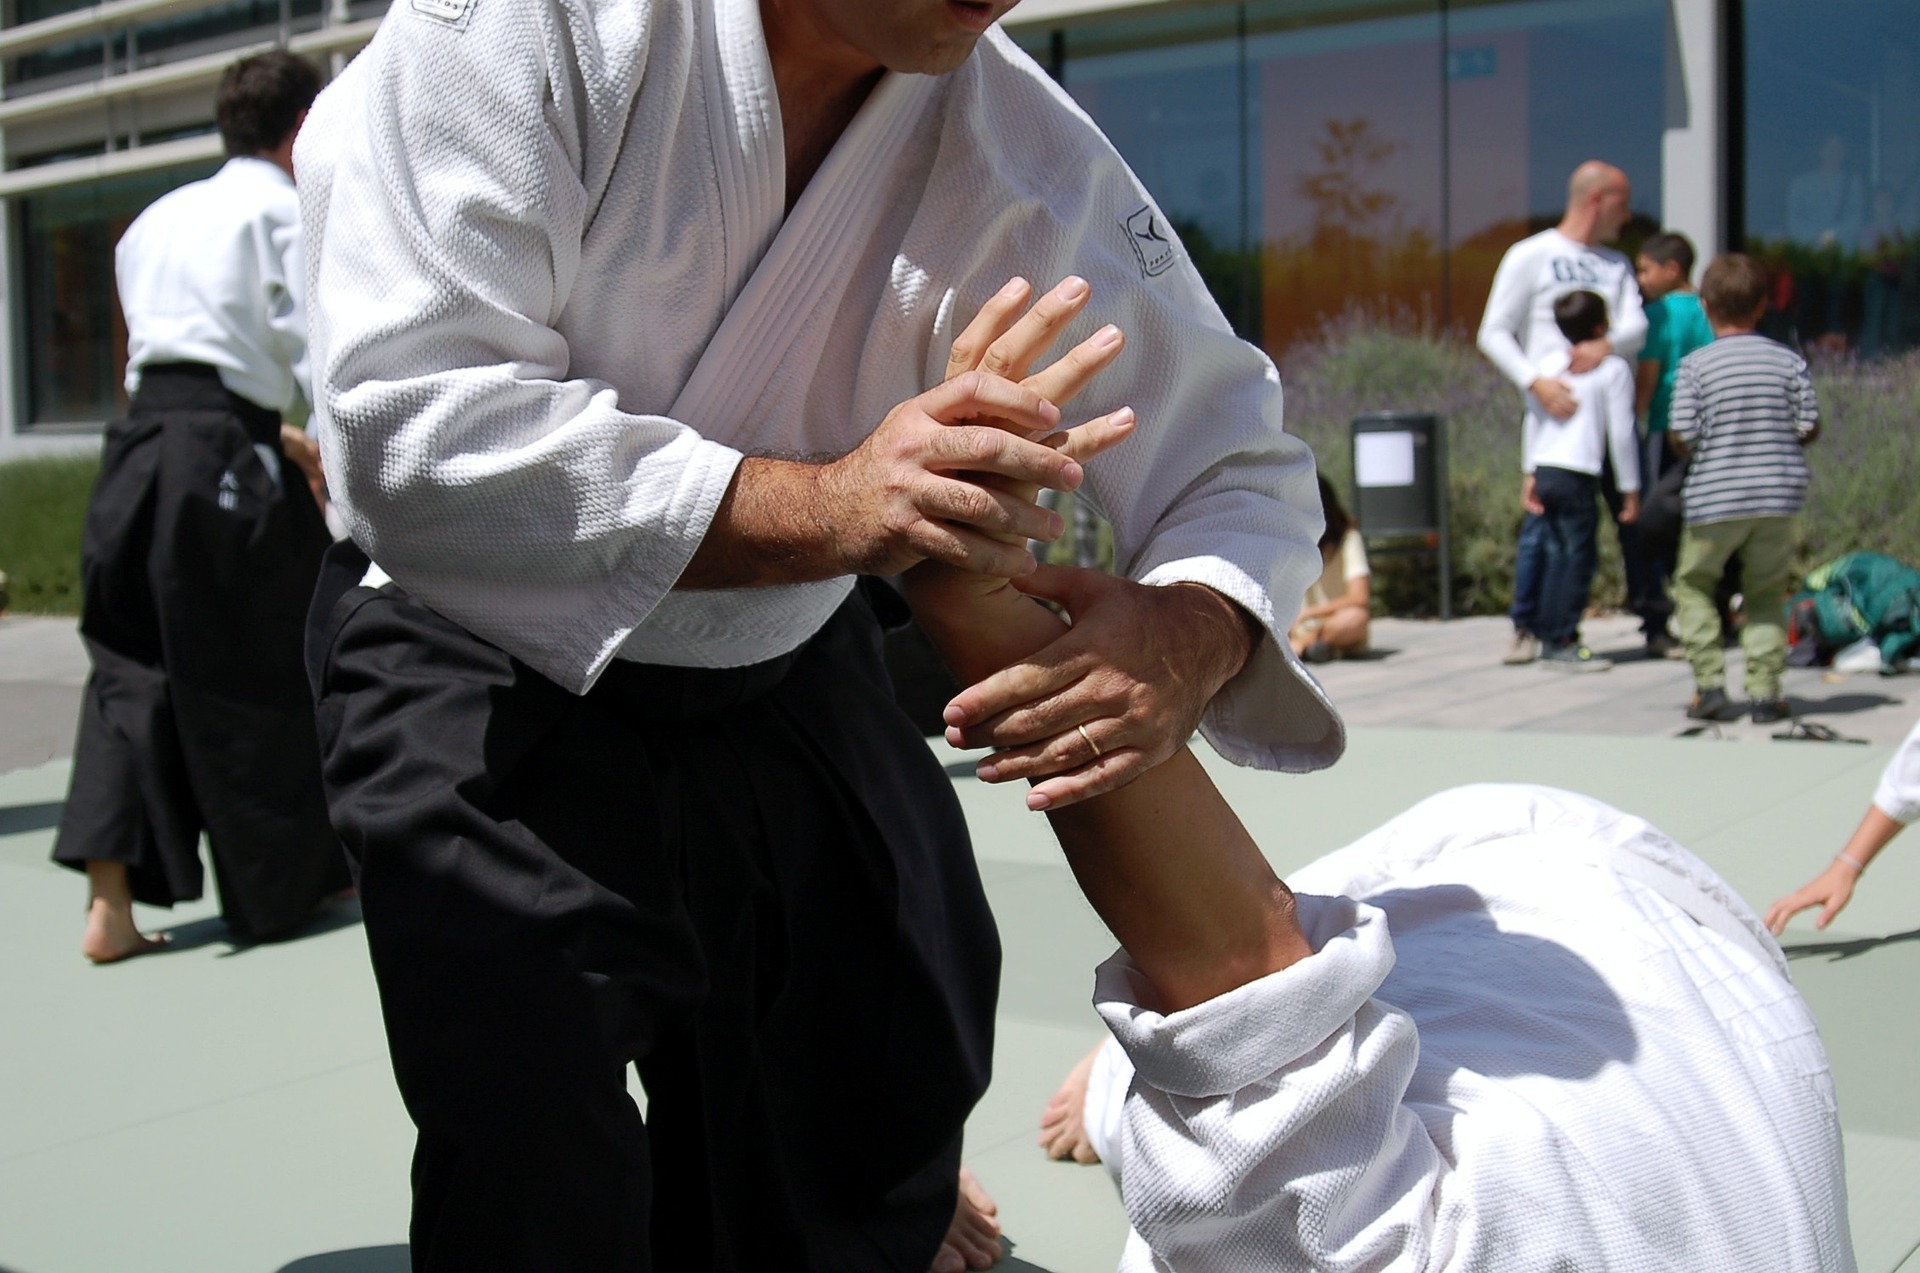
1693 156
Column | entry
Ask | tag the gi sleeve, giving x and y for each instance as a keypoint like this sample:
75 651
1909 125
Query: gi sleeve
1506 317
508 494
1268 1128
1898 795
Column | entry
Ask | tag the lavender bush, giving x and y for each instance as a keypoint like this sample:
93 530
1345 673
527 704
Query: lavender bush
1866 466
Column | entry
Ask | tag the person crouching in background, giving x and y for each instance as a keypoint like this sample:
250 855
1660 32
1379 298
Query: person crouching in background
1334 620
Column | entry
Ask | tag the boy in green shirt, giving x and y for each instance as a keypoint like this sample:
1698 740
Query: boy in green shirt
1676 326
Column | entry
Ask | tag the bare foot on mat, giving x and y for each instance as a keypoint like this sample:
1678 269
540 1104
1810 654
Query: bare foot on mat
973 1240
1063 1124
112 937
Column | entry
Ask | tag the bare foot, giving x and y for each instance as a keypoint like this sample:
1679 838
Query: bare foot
973 1240
111 935
1063 1124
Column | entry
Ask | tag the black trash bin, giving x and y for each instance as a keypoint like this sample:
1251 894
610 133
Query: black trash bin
1400 489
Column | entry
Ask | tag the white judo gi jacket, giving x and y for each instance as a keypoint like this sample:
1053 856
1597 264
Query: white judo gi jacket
557 298
1546 1037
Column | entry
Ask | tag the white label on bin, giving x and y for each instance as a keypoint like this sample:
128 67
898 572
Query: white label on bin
1383 459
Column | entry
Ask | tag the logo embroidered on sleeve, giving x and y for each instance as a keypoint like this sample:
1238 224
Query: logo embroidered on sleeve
1152 245
453 13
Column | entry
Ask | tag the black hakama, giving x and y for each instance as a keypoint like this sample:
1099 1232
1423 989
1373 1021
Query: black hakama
197 570
753 883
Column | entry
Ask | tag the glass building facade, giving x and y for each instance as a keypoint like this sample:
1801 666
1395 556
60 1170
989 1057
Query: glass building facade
1323 157
1830 178
1320 157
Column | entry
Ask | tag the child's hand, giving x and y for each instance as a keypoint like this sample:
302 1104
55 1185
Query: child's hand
1629 508
1830 890
1529 500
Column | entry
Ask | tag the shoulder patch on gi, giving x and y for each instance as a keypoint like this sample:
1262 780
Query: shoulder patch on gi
1152 246
453 13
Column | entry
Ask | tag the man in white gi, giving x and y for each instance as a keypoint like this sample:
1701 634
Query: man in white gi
1518 334
201 548
631 324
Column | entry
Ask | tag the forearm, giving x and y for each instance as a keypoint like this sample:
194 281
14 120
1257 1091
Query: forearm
1503 351
1163 860
1873 834
768 530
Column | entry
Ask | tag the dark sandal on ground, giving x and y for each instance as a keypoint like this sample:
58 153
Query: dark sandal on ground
1713 705
1811 731
1769 711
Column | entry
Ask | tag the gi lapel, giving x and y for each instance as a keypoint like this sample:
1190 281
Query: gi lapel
756 371
743 116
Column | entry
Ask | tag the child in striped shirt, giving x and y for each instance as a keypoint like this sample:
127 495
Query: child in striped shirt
1743 408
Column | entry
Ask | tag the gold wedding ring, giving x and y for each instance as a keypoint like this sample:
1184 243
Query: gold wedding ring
1084 734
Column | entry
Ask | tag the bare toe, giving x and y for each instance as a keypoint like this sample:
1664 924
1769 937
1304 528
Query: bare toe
973 1239
1063 1124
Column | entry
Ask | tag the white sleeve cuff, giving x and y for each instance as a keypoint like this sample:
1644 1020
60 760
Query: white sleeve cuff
1272 714
1242 1037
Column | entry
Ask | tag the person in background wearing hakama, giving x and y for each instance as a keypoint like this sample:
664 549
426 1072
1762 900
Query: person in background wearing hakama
201 547
631 329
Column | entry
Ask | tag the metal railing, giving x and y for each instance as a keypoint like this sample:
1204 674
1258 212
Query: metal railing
338 34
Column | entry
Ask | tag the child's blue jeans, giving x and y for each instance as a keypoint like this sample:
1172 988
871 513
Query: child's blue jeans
1568 528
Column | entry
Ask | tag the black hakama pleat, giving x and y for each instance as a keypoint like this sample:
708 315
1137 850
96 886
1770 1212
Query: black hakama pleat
753 883
197 570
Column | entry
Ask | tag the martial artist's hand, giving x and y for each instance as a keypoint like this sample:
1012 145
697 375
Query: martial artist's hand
1136 670
903 496
304 454
1007 337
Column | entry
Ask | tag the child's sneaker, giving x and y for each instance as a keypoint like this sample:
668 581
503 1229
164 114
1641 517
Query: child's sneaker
1662 646
1525 649
1713 705
1574 658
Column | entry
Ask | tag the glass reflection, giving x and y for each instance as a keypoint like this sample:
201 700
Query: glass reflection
76 339
1322 156
1832 169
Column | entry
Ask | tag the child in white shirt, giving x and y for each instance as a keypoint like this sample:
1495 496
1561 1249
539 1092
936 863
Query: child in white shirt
1562 460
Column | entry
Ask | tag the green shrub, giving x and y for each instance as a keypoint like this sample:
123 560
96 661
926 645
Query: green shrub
43 501
1866 465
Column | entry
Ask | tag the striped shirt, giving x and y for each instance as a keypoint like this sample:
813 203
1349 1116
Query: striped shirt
1742 407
